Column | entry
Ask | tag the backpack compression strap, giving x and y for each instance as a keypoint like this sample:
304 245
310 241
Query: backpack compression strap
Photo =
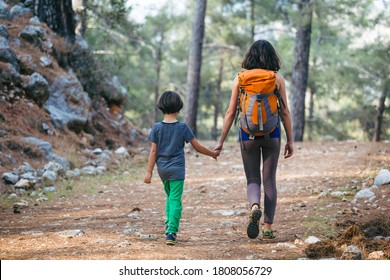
281 102
238 109
260 97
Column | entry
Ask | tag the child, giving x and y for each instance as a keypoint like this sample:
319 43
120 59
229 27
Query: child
168 138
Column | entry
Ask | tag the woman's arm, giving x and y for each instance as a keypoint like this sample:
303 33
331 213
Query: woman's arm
229 115
289 148
151 163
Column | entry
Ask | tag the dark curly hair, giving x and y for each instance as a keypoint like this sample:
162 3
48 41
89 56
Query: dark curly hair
261 55
170 102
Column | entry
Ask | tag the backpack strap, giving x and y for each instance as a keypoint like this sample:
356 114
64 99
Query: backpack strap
237 117
277 93
280 102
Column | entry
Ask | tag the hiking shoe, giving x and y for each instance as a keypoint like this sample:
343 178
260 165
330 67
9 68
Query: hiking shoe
170 239
268 234
253 226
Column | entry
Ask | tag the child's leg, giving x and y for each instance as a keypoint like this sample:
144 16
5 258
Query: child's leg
167 190
174 205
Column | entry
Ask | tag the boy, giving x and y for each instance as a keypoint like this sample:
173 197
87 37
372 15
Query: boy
168 138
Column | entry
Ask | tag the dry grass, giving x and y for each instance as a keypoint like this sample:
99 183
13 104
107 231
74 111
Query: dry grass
361 234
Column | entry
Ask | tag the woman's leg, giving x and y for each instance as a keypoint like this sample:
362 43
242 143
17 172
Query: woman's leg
251 157
270 154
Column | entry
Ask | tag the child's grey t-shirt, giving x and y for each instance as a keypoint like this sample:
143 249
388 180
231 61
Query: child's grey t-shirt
170 139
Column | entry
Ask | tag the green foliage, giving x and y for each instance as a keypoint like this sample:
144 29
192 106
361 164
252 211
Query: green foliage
347 72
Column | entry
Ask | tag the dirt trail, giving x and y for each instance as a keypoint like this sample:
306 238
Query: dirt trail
123 218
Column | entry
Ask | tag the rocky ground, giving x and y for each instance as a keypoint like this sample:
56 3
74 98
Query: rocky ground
115 215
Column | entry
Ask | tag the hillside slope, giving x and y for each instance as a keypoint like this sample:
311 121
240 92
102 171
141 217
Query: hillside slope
53 92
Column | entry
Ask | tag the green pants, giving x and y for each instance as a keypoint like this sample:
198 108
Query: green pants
173 207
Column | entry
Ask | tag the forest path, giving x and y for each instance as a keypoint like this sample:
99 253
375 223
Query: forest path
122 218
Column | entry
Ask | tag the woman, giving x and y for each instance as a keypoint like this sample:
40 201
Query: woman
263 150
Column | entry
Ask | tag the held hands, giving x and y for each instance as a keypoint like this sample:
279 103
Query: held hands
217 150
288 150
215 154
218 147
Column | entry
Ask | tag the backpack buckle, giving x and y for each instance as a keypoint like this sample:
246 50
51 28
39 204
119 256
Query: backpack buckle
252 137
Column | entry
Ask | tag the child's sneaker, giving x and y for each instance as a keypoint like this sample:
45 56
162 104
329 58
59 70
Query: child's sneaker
170 239
268 234
253 226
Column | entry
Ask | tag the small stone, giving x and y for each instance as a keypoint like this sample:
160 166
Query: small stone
19 205
10 178
71 233
229 212
286 245
376 255
24 184
122 151
312 240
347 211
45 61
337 194
41 199
352 253
382 178
50 189
148 236
365 193
97 151
89 170
12 196
123 244
32 232
355 210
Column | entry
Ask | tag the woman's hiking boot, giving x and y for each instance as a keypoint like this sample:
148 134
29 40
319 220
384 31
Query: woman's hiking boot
253 226
268 234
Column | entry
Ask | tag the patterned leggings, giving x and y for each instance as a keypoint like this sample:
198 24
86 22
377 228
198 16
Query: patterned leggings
255 152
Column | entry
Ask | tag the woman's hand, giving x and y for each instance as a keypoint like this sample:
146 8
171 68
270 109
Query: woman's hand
219 147
288 150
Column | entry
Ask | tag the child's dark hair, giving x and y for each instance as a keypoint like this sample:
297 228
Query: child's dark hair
170 102
261 55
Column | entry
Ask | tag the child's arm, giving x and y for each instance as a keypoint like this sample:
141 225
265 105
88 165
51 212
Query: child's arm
151 162
203 150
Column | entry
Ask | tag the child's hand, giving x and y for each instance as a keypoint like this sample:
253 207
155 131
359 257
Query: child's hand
216 154
148 178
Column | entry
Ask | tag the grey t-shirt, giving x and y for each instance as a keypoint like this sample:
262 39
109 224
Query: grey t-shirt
170 139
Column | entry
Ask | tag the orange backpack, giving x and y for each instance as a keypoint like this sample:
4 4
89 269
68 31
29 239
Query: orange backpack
258 93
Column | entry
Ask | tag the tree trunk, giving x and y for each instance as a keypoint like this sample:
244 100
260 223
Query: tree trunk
217 105
311 113
381 109
253 20
313 91
58 15
301 68
194 64
158 76
84 18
